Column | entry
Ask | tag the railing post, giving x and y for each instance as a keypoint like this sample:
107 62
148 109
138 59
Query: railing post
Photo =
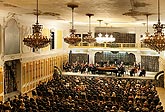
121 45
105 44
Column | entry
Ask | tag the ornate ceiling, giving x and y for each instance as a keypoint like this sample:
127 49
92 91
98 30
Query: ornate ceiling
114 12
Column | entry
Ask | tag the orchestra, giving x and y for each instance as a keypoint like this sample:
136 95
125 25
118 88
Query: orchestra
104 67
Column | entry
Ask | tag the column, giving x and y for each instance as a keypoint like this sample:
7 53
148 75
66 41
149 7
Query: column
91 56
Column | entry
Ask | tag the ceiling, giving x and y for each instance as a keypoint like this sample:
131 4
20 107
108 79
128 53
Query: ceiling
114 12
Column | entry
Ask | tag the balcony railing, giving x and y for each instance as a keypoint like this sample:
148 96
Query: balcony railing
111 45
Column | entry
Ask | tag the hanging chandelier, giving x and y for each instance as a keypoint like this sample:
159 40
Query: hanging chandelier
146 34
107 38
89 37
36 40
157 41
100 39
72 39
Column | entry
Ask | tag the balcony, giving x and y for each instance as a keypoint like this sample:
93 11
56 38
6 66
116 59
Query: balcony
111 45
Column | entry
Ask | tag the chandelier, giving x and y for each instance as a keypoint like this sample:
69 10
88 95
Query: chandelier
107 38
100 39
36 40
146 34
72 39
157 41
89 37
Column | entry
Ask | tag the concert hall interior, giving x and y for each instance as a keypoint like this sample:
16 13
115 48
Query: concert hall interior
82 55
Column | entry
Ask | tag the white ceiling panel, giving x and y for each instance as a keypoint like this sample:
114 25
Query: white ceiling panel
116 12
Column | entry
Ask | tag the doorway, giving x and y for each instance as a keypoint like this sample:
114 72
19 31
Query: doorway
12 76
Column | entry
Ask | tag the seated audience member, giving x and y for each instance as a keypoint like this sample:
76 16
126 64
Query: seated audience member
143 72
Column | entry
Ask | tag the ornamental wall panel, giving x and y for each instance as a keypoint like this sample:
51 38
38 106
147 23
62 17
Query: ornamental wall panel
39 70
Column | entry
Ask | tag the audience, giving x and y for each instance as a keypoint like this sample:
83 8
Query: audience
88 94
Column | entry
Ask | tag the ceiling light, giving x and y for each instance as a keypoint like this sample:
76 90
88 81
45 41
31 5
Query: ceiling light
100 39
72 39
146 34
157 40
89 37
107 38
36 40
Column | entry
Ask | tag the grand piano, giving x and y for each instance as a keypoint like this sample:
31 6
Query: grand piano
103 70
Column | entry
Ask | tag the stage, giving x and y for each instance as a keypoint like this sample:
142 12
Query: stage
149 75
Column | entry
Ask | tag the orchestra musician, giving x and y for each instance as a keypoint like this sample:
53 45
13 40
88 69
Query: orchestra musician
121 70
66 67
142 72
133 71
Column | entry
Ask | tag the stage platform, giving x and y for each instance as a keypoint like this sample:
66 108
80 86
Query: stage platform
149 75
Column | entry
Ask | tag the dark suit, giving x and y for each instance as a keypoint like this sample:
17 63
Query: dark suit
142 73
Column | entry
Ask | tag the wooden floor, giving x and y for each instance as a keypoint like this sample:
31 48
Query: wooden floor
149 75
